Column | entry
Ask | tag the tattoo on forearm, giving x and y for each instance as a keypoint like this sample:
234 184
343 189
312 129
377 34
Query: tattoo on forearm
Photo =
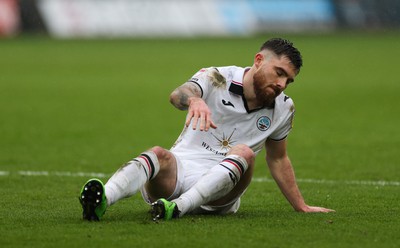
183 101
184 92
192 88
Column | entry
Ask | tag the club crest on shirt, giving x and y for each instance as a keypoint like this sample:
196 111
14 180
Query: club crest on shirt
263 123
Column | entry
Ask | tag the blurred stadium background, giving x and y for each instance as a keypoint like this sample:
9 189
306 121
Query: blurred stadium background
182 18
74 103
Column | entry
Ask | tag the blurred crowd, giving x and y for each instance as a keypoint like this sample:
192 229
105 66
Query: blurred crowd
23 16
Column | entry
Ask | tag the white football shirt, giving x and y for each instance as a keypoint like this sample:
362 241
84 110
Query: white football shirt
222 90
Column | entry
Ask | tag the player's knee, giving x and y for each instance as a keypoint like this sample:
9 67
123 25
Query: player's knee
243 151
164 156
158 151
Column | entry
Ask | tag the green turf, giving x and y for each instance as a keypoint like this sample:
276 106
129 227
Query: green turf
91 105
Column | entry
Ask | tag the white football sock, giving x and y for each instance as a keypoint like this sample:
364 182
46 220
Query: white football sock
131 177
217 182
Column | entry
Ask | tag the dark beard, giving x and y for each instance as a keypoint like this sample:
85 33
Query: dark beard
266 99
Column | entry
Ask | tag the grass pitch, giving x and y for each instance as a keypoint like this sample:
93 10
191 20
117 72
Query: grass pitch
91 105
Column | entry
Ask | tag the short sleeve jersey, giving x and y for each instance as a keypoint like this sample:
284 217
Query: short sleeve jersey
222 90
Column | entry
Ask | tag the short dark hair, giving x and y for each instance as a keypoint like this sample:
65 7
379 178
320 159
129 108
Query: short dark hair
284 47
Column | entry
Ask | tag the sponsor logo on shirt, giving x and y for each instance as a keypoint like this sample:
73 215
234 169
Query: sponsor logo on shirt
209 148
225 143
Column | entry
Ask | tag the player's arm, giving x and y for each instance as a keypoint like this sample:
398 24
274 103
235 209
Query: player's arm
188 97
282 171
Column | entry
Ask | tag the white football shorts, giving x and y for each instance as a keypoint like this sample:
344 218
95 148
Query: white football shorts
188 173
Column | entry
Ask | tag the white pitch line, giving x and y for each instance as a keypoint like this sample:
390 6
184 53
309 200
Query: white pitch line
256 179
348 182
4 173
63 174
33 173
80 174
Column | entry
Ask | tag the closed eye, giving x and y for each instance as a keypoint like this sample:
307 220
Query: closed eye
282 73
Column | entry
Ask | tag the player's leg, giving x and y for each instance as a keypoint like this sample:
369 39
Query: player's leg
164 184
156 166
95 197
221 185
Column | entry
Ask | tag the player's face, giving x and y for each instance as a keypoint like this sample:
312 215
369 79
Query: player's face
273 74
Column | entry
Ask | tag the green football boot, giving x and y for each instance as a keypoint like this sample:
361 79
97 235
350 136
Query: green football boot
163 209
93 200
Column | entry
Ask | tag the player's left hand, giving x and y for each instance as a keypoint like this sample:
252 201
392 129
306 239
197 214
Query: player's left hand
199 114
313 209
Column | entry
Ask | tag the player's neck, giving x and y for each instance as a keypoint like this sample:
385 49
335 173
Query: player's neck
248 90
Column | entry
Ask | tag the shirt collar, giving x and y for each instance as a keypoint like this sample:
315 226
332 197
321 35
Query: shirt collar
236 85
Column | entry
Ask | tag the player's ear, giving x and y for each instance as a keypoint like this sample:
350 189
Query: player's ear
258 59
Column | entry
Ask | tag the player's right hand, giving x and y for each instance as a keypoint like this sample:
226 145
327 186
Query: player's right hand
199 114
